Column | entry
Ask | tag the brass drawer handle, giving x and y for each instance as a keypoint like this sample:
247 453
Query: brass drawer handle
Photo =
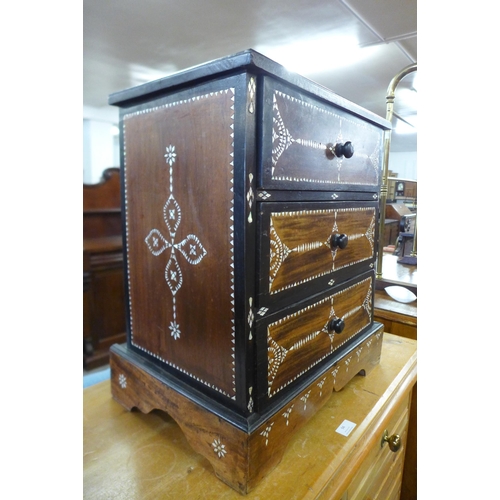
394 441
340 150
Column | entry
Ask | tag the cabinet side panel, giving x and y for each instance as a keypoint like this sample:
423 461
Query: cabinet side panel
179 204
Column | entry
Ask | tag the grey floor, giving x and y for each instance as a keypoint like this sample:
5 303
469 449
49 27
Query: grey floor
91 377
95 370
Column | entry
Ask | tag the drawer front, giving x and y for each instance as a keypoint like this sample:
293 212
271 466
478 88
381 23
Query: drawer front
381 471
307 248
303 337
297 134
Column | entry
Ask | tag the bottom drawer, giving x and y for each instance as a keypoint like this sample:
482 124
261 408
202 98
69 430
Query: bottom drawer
381 472
391 487
297 340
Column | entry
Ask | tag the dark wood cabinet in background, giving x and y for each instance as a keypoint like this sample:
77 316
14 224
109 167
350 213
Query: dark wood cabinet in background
103 286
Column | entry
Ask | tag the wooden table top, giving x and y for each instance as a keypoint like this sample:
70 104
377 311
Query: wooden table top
130 455
395 273
383 303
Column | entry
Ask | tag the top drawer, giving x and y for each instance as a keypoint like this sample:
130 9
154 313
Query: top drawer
308 144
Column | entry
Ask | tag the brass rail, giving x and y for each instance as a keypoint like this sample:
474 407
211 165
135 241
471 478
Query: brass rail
391 94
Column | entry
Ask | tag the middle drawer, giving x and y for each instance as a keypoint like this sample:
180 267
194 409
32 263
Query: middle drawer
306 248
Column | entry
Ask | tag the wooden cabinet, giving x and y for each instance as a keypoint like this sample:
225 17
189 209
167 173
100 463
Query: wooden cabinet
146 456
397 317
401 319
250 216
380 474
103 277
401 189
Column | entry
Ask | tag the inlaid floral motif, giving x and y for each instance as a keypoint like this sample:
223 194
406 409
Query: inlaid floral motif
219 448
190 247
122 380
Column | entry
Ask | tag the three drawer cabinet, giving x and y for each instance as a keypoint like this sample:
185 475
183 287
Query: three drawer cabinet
250 202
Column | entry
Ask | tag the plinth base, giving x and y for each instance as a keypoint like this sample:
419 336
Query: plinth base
241 451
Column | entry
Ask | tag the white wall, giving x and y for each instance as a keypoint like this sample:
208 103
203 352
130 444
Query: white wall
100 144
404 164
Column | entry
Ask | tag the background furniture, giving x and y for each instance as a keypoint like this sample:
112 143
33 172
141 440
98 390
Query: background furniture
401 190
103 287
404 243
397 317
401 319
395 213
391 232
396 273
146 456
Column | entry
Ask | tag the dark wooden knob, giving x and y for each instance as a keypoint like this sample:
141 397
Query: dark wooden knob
339 241
346 149
336 325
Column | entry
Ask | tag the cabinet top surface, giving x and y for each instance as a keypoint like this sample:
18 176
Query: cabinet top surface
248 60
133 455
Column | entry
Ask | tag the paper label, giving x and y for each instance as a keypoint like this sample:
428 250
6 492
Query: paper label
346 428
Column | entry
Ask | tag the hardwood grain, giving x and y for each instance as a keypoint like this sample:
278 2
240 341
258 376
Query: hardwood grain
218 274
300 340
394 273
104 292
101 206
298 158
397 317
179 237
241 457
131 455
300 241
401 319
